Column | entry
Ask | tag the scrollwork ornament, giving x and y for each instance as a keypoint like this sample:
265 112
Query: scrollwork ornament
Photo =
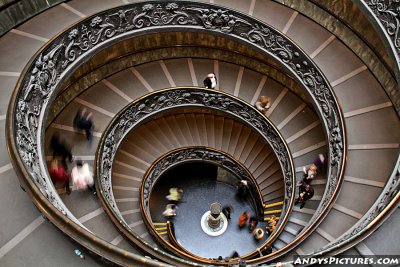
392 188
157 15
146 107
218 19
264 37
388 12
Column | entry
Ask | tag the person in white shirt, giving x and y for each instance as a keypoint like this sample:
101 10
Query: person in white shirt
82 176
170 211
210 81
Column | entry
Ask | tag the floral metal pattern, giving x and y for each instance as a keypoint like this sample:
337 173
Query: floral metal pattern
388 12
390 191
160 101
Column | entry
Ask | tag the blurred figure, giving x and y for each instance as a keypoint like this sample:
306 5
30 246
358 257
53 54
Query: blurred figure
242 263
243 188
264 251
309 174
59 175
83 121
175 194
306 193
227 210
319 161
234 254
312 171
170 211
82 176
243 218
253 223
60 148
263 104
210 81
271 224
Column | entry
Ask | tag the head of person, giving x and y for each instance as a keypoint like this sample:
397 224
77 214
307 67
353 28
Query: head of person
307 187
313 167
264 99
79 163
211 75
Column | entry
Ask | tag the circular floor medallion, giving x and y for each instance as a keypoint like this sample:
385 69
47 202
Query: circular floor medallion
211 231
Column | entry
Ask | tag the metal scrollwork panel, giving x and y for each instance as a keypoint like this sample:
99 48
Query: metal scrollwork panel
163 100
390 192
388 13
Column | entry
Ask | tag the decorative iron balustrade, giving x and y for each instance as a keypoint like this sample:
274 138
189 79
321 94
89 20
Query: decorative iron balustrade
154 104
386 15
384 206
196 154
41 79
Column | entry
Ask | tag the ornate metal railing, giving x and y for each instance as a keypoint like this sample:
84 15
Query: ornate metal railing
195 154
386 204
385 16
42 78
383 207
159 102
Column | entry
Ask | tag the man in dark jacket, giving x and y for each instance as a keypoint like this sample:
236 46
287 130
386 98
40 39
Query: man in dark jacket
306 193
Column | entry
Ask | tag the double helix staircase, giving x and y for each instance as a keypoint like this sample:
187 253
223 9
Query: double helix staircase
371 124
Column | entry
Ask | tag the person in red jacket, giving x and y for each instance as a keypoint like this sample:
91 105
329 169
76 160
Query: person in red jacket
59 175
243 218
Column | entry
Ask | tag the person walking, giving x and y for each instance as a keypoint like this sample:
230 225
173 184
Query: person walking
59 175
227 210
243 218
170 211
263 104
82 176
243 188
175 195
306 193
60 149
83 121
210 81
271 224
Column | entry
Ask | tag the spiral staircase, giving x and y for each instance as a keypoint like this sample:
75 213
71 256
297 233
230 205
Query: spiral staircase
356 194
